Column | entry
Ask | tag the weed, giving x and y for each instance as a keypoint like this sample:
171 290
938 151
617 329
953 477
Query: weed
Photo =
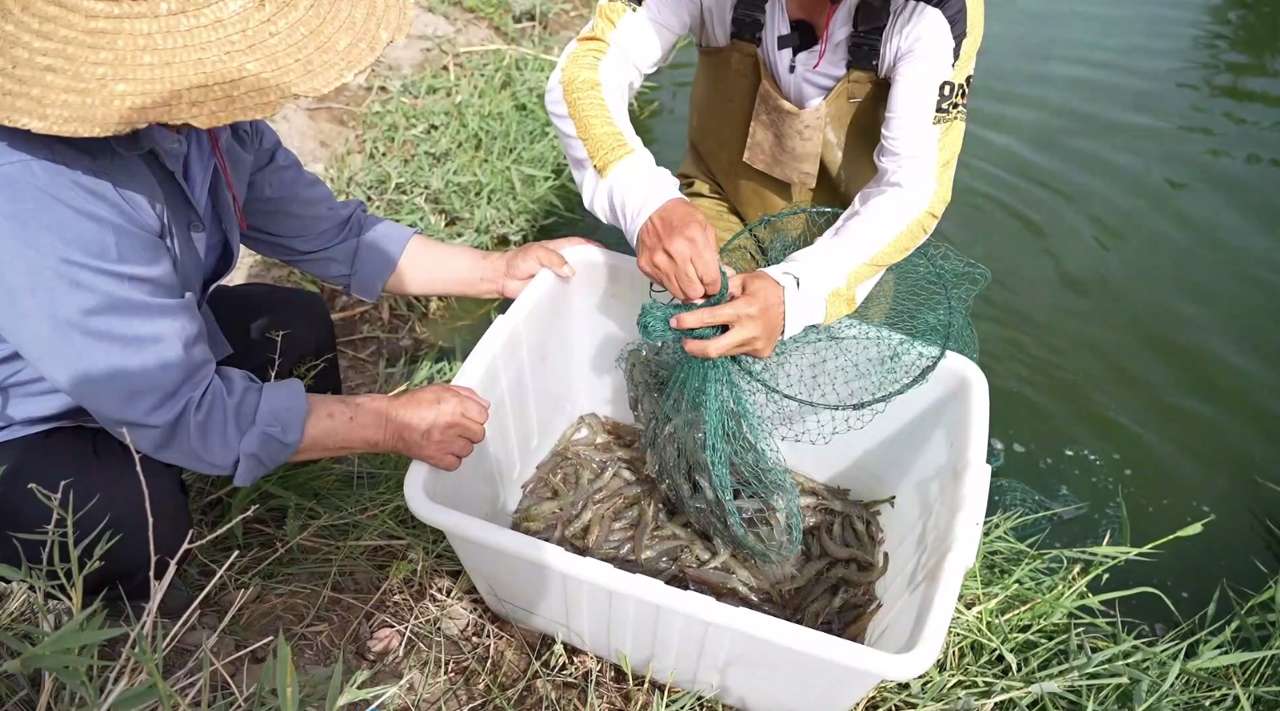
466 156
1034 628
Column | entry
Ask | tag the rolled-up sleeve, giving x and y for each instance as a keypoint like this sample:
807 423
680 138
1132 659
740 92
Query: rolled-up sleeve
294 217
93 303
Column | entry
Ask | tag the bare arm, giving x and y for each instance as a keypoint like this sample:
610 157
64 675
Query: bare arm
339 425
438 424
431 268
428 267
587 99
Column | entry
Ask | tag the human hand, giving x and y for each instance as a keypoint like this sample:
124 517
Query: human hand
437 424
515 268
677 249
755 314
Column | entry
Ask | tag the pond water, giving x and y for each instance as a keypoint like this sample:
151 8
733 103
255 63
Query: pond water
1121 179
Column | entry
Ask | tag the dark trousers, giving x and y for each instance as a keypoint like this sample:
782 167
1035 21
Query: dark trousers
274 331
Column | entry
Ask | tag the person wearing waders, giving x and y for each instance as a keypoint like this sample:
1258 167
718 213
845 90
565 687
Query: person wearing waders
133 165
858 105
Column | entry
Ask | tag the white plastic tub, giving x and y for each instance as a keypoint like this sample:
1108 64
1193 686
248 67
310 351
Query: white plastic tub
550 359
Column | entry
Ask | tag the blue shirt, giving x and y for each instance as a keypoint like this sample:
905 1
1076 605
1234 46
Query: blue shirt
108 250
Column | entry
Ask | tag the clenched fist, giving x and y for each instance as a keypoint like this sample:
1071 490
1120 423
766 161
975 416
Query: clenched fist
438 424
677 249
754 314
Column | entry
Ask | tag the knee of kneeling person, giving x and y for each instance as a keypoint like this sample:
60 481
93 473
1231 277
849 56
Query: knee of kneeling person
303 319
167 528
173 533
101 510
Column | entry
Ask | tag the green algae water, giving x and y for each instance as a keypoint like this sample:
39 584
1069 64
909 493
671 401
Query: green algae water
1121 179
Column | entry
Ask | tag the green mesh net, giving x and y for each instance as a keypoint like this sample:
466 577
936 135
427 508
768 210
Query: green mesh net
713 428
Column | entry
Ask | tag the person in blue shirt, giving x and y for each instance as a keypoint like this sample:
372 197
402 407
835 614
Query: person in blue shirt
133 165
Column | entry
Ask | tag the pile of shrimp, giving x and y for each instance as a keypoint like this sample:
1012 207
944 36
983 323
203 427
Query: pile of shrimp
591 496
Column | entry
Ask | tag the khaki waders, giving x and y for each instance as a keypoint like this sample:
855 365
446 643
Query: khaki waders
752 153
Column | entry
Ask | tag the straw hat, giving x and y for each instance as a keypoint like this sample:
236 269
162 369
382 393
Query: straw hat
106 67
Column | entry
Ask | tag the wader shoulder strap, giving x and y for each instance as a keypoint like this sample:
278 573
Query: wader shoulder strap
869 21
748 21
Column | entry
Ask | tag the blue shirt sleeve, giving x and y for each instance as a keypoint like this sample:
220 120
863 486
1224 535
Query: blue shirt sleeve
93 303
294 217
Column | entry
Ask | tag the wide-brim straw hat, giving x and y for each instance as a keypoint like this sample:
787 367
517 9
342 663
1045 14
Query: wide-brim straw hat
107 67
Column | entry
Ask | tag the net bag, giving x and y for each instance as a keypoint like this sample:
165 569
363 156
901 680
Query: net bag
713 428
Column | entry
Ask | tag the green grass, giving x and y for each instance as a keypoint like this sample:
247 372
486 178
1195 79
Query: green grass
296 575
62 651
1033 628
1038 629
466 156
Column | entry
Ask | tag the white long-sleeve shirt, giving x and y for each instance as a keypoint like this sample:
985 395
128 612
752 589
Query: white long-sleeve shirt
927 54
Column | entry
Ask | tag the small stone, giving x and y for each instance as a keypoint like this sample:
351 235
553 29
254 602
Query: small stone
383 642
194 637
455 620
527 10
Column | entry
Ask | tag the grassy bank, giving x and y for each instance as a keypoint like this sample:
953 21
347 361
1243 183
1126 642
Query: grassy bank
1031 630
466 155
320 590
1034 630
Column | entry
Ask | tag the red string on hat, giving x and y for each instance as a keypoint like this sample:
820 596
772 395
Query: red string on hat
822 46
226 178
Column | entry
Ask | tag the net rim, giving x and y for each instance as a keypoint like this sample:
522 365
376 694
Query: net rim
741 360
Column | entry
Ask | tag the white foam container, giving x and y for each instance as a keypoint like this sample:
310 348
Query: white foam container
551 358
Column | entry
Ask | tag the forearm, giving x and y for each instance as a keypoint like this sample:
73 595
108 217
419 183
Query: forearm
340 425
828 279
431 268
588 97
438 424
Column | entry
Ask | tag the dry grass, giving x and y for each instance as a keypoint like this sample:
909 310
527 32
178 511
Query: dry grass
317 586
327 594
